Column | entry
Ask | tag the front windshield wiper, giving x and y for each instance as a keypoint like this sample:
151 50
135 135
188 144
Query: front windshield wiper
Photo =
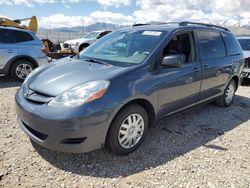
96 61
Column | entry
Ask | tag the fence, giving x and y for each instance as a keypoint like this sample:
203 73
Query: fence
59 36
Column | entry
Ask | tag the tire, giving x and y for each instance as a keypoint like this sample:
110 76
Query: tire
82 47
19 66
114 141
228 96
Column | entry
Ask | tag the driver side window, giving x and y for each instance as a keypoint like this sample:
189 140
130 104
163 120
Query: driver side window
182 44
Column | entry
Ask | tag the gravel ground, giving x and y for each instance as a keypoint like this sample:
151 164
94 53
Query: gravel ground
206 147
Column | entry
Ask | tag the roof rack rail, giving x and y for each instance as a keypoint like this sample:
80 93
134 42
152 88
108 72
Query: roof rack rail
140 24
186 23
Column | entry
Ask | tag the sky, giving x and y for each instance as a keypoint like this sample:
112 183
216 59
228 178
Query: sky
69 13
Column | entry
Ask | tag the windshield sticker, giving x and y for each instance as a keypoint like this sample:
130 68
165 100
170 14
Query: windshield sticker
152 33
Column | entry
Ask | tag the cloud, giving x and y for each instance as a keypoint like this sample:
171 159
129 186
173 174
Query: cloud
226 12
5 2
115 3
60 20
1 16
110 17
30 3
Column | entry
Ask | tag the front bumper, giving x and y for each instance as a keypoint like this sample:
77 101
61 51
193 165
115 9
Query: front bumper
74 130
246 72
246 69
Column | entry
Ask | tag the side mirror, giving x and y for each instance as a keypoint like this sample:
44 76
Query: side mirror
174 61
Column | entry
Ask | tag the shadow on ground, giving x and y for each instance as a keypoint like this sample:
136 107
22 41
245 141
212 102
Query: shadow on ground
6 82
170 139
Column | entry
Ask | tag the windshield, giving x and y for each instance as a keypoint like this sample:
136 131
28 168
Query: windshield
124 48
91 35
245 44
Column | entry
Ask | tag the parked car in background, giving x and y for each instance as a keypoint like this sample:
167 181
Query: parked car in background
245 45
77 45
110 94
20 51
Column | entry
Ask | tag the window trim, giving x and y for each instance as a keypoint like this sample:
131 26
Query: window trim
193 44
23 32
200 49
14 38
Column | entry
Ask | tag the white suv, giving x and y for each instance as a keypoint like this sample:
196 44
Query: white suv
20 51
77 45
245 45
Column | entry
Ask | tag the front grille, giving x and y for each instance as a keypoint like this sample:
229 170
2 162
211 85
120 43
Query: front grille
73 140
37 97
38 134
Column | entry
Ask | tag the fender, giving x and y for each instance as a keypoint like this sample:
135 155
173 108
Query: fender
6 68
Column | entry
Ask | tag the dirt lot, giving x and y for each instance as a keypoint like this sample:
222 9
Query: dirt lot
206 147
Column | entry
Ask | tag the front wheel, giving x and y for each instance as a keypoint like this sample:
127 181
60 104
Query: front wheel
228 96
128 130
21 69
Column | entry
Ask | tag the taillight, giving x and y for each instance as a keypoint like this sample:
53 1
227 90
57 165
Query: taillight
44 50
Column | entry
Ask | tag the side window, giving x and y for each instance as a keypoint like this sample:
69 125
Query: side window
232 44
22 36
212 44
245 44
103 34
181 44
6 36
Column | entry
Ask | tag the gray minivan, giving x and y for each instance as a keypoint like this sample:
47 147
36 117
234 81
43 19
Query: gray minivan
20 51
114 90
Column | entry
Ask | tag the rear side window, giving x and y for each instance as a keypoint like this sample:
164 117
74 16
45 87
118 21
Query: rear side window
22 36
212 44
232 44
245 44
6 36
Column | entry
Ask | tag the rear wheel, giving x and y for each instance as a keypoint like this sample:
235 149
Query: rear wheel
21 69
82 47
228 96
128 130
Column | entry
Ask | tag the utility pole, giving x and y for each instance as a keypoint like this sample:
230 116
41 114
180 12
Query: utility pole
82 26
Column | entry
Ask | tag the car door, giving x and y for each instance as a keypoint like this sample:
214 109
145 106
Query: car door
216 65
8 47
179 87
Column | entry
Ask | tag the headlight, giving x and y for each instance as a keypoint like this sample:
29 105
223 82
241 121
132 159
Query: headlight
81 94
246 70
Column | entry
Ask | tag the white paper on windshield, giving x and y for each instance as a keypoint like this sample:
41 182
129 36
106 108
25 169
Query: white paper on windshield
152 33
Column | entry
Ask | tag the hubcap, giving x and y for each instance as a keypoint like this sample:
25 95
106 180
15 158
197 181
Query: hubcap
131 131
23 70
230 93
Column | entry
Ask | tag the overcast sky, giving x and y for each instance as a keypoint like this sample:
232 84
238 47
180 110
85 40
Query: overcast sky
68 13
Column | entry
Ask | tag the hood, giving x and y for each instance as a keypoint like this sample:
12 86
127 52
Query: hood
246 54
55 78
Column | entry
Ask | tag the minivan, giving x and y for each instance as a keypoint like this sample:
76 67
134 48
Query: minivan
112 92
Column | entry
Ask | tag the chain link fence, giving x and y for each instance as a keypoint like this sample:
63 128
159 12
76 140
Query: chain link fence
59 37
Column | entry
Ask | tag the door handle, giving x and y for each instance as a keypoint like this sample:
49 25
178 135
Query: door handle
205 66
10 51
196 69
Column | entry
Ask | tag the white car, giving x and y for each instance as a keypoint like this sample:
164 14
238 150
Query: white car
245 45
77 45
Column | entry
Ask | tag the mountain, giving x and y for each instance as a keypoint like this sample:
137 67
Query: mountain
86 29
